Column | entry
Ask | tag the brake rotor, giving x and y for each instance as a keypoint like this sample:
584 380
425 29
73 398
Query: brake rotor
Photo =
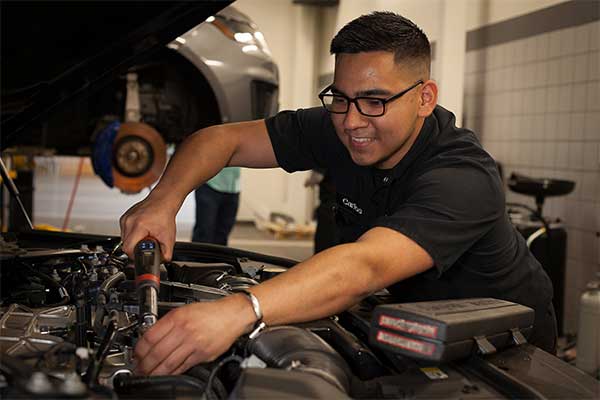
139 157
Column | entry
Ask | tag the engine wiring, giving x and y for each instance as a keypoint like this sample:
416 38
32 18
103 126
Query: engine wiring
95 288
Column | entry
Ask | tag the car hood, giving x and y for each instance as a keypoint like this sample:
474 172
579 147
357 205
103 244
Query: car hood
54 53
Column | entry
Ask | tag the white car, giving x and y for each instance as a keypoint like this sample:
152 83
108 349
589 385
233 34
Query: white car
65 68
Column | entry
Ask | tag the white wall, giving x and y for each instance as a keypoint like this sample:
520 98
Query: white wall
290 31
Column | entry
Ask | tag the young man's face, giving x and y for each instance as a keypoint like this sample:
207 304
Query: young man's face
379 141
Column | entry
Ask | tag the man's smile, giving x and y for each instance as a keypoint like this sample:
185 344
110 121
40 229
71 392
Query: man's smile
360 141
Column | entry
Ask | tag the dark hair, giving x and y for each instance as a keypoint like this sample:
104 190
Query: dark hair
384 31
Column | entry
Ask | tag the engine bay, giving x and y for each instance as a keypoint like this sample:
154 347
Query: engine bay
70 318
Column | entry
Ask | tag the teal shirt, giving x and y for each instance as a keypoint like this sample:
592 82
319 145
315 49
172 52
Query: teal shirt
226 181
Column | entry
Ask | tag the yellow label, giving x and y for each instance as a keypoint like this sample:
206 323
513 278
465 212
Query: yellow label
434 373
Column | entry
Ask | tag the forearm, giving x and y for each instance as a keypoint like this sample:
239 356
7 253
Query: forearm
326 284
336 279
201 156
323 285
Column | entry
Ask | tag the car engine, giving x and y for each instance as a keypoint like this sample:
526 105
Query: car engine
70 316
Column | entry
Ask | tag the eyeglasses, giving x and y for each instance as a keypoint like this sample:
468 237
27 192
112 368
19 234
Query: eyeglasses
368 106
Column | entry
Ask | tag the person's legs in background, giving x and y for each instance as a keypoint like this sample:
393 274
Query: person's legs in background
207 209
228 207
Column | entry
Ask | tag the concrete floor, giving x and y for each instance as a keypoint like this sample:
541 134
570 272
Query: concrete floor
246 236
97 209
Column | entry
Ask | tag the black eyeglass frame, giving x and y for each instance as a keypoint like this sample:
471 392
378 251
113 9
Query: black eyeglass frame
354 100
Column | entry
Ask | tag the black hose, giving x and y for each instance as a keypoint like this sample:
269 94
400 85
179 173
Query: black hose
95 365
217 389
211 379
283 346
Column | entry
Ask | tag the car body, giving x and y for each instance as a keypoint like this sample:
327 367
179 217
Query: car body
215 72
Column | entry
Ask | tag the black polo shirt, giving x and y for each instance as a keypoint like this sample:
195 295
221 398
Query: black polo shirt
445 194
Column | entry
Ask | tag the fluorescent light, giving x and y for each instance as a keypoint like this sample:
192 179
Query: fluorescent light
244 37
214 63
249 48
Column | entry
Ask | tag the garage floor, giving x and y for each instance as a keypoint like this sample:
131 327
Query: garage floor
246 236
97 209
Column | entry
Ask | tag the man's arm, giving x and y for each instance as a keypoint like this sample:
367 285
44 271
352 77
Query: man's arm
200 157
325 284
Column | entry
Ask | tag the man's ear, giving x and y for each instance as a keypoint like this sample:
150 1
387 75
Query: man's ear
428 99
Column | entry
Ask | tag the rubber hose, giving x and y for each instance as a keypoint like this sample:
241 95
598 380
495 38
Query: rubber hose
299 349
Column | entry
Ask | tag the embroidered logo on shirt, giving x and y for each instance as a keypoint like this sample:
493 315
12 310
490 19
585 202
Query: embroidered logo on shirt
352 205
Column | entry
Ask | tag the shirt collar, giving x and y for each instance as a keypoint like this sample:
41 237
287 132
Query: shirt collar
420 144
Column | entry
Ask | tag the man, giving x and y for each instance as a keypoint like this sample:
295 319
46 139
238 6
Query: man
420 205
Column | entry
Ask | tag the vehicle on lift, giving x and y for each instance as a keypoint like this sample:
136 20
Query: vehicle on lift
78 87
72 306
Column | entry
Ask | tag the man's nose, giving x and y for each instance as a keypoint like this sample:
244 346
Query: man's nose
354 119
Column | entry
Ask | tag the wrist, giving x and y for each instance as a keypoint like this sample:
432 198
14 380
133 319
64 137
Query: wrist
242 312
168 199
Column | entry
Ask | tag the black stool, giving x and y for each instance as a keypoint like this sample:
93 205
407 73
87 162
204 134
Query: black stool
547 240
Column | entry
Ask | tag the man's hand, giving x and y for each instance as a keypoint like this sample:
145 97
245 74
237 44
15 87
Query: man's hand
193 334
149 217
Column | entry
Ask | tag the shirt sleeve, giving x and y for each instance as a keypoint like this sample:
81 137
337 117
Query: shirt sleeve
301 138
448 211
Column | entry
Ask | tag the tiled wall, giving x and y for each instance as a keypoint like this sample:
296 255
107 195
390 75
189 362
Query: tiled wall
535 102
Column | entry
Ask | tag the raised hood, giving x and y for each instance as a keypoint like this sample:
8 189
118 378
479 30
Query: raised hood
54 53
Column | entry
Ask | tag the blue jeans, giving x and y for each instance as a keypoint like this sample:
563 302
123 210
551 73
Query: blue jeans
215 215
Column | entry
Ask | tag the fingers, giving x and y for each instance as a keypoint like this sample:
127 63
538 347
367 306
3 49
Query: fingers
191 360
166 246
166 348
148 351
188 336
131 232
132 239
177 361
147 219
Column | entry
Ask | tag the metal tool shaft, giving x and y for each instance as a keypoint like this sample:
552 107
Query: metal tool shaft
12 188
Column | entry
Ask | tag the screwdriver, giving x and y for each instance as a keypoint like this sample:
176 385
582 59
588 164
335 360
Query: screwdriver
147 280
